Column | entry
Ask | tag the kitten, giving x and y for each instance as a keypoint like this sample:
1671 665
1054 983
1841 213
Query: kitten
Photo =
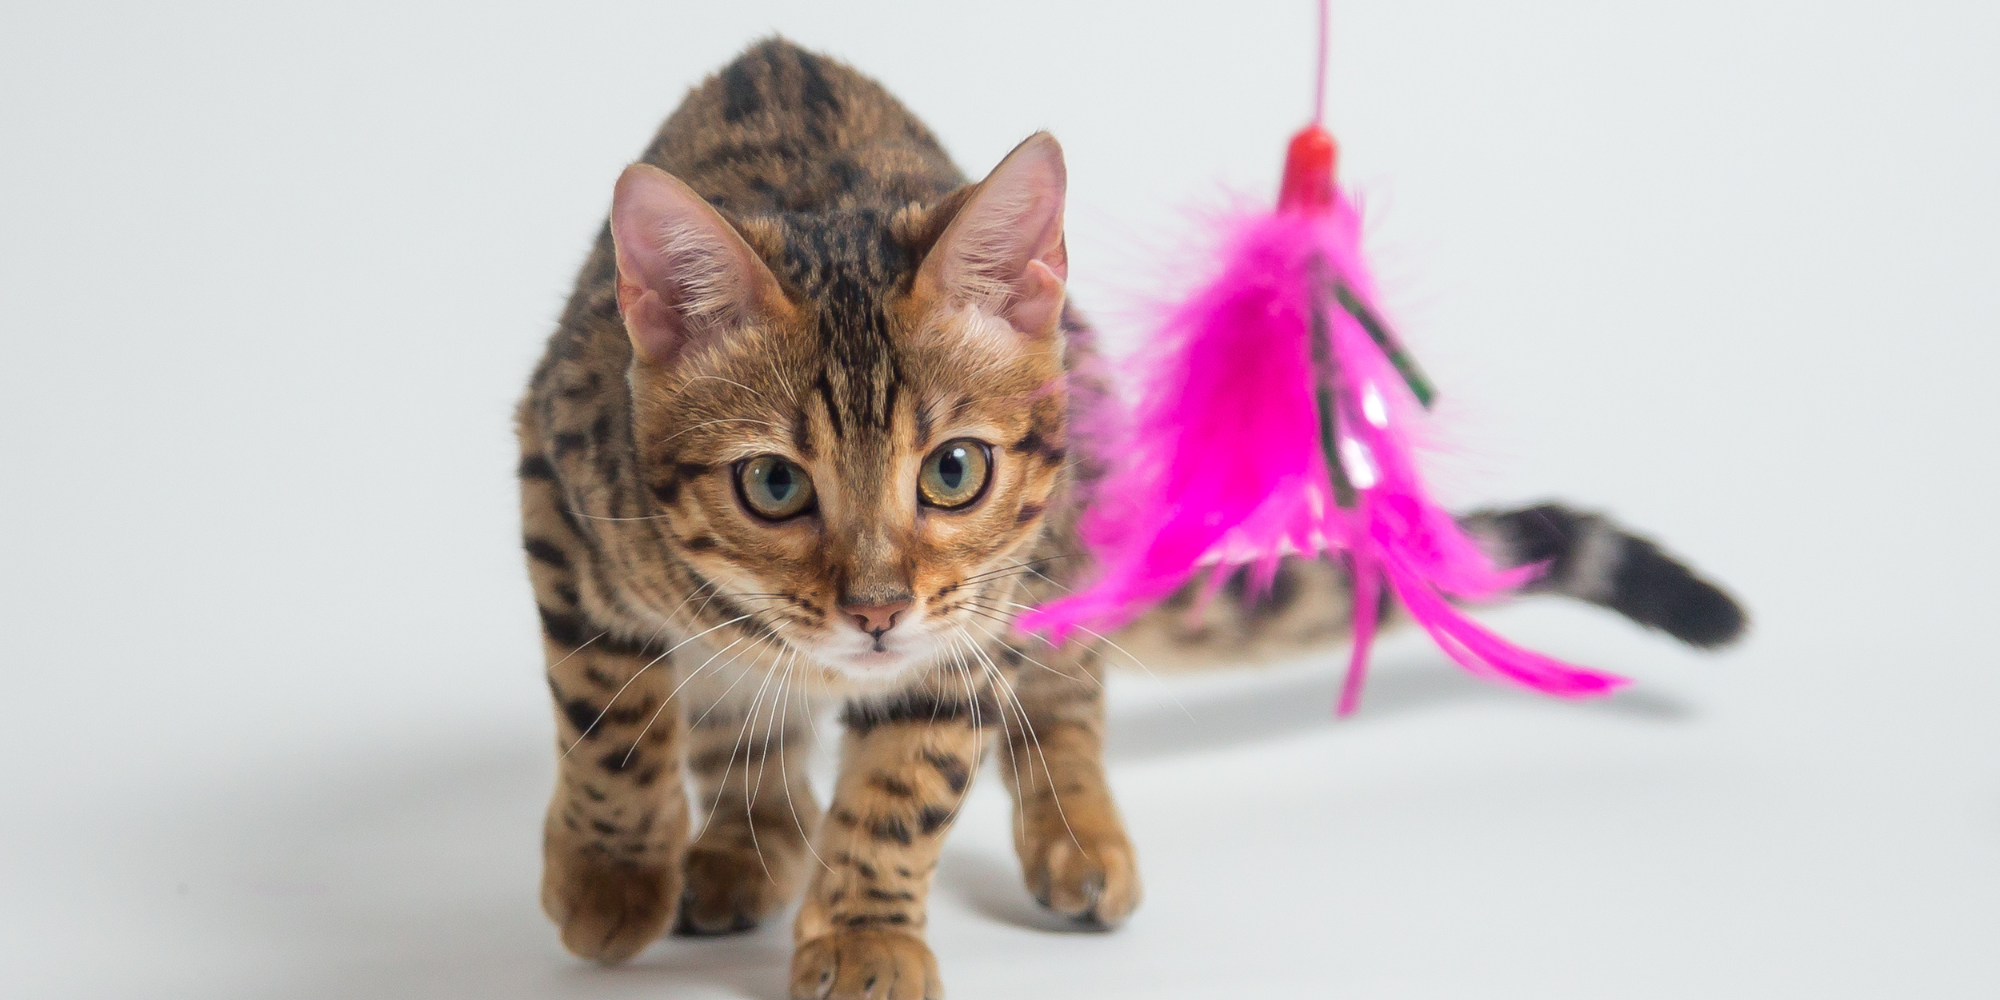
802 436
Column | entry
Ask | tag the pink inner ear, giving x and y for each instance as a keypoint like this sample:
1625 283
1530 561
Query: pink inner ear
654 327
1038 299
683 272
1004 252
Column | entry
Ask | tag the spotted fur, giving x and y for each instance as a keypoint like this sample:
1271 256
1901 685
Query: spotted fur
807 275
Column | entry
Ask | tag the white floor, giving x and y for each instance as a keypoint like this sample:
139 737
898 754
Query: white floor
273 720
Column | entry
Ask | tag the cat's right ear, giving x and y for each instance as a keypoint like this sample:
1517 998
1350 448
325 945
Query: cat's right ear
684 273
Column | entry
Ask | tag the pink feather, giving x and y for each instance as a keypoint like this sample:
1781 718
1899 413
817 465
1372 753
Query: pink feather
1223 463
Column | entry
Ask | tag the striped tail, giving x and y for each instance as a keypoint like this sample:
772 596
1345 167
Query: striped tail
1592 559
1308 605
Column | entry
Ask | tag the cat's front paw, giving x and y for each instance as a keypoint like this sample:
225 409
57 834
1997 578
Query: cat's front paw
1089 877
608 909
865 965
731 889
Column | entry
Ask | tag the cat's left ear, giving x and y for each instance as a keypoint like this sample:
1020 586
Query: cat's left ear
1003 250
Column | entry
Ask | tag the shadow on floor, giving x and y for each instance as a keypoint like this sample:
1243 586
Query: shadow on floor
1291 700
412 872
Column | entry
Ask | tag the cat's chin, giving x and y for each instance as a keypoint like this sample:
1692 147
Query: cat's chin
872 668
873 662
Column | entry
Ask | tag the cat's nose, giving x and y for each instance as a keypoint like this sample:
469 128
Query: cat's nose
876 619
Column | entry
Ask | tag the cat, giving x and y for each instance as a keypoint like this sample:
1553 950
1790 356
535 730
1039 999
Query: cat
803 436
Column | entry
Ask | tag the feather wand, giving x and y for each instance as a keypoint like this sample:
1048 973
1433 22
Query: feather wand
1273 421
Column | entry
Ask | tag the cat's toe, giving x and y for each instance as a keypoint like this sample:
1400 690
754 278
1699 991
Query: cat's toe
729 891
865 965
1094 881
608 909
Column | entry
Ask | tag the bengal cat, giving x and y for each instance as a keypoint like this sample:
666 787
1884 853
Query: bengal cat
803 437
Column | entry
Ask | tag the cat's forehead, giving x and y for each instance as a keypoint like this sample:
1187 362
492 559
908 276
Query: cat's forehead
858 349
842 254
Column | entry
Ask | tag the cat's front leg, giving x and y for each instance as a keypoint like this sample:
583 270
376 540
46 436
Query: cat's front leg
617 826
1075 856
750 765
905 767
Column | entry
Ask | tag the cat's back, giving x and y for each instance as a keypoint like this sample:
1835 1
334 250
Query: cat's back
781 129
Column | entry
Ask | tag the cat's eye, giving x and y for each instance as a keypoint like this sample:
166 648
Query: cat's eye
774 488
955 474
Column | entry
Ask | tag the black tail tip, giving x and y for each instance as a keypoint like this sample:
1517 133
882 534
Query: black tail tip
1591 558
1651 588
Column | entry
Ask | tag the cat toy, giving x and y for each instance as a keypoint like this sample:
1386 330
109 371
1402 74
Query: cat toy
1275 419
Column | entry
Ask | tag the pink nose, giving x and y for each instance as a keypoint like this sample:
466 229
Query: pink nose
875 619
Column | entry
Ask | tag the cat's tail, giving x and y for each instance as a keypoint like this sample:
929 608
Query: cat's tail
1592 559
1308 605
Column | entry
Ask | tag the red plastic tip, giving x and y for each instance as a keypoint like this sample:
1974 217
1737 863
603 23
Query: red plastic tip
1308 183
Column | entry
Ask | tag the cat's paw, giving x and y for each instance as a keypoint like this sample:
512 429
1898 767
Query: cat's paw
865 965
1092 878
608 909
732 889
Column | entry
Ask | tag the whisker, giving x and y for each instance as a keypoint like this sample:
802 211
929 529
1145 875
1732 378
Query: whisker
978 727
685 601
600 517
987 613
749 794
1010 359
786 779
719 699
719 420
669 700
635 676
1101 637
1016 566
737 744
1027 726
718 378
579 649
1020 809
1059 673
777 701
731 762
780 379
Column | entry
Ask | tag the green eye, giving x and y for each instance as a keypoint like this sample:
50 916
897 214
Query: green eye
775 488
955 474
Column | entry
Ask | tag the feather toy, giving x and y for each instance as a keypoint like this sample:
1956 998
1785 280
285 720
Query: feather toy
1274 419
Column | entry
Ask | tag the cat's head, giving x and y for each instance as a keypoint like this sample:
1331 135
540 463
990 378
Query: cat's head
852 423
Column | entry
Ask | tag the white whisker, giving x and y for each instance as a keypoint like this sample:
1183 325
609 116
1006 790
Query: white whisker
1028 726
1066 676
720 420
635 676
718 378
785 777
578 649
669 700
1105 639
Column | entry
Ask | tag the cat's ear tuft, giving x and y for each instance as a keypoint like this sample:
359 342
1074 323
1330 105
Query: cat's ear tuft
1003 251
684 273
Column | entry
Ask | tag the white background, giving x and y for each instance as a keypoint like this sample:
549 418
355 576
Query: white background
273 275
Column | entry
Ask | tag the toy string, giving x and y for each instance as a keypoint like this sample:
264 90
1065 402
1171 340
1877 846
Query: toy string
1319 75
